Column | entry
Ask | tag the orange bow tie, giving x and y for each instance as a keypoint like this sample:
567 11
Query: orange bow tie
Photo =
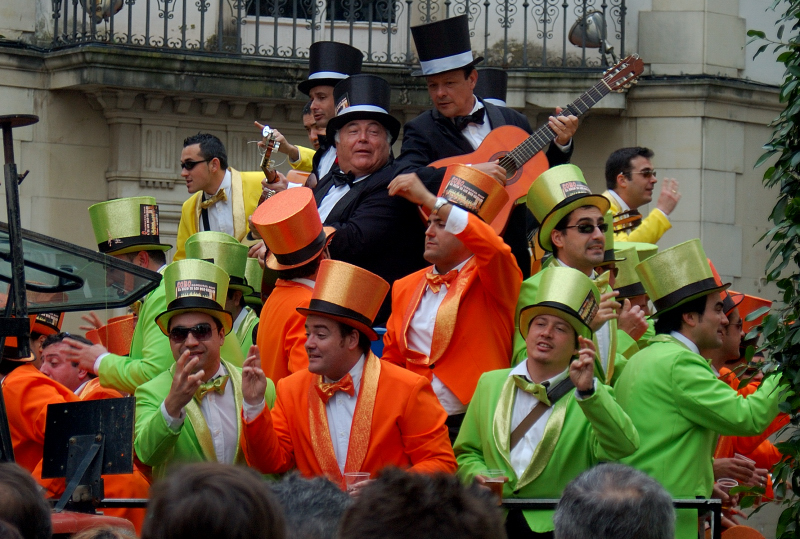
436 280
326 391
207 203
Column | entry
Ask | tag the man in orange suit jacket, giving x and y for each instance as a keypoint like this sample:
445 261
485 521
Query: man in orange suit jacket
455 320
291 228
349 411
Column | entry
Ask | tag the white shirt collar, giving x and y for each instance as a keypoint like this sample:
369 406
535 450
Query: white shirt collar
622 205
685 340
226 185
355 373
239 320
302 280
522 370
478 105
80 387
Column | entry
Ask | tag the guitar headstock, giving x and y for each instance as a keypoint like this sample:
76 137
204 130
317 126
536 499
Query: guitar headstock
267 164
624 74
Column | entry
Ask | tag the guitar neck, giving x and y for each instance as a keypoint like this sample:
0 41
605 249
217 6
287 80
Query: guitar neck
544 135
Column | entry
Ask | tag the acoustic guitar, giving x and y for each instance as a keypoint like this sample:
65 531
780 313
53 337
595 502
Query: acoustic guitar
526 161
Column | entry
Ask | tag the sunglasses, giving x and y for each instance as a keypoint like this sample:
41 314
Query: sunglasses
588 228
647 173
189 165
201 332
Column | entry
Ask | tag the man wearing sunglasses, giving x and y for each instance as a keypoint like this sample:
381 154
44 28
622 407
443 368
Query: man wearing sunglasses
192 412
573 229
222 198
631 179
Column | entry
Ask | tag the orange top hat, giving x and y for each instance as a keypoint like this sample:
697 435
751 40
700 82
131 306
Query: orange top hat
47 323
347 294
117 334
474 191
730 299
751 304
291 228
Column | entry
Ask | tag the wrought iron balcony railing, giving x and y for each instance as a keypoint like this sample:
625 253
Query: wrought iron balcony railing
514 34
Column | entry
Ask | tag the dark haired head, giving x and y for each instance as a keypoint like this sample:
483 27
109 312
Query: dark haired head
22 504
307 108
58 337
305 271
364 343
619 162
208 499
312 507
673 320
210 147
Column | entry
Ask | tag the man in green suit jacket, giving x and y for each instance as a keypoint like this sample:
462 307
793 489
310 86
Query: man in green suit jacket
677 404
192 412
581 428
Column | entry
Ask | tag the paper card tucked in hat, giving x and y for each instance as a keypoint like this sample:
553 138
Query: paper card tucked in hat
556 193
474 191
348 294
330 62
126 225
492 85
291 228
677 275
443 46
566 293
223 250
363 97
46 323
194 285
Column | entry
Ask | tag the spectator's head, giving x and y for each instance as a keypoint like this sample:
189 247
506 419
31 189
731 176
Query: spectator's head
314 131
213 500
105 532
22 504
203 163
630 173
55 364
7 531
611 501
398 505
312 507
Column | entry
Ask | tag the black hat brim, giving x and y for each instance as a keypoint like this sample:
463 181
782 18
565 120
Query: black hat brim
309 84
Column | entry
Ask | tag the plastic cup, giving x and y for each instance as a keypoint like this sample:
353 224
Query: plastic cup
351 479
725 485
495 479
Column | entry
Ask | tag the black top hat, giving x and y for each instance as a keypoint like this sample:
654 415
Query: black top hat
443 46
330 62
363 97
492 85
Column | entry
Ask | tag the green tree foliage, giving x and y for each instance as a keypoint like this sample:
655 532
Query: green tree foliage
781 329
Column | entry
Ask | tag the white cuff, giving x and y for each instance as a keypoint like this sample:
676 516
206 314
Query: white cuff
663 213
251 411
457 220
97 361
174 423
594 389
565 147
292 185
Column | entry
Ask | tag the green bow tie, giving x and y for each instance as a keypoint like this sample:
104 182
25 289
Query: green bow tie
537 390
602 281
217 384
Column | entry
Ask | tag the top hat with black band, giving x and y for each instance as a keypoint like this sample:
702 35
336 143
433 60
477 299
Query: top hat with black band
347 294
566 293
126 225
46 323
678 275
610 256
330 62
443 46
627 282
363 97
291 228
193 285
223 250
492 85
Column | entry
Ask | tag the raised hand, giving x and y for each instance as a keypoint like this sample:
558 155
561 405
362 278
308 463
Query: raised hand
607 310
669 197
581 370
632 320
184 384
254 381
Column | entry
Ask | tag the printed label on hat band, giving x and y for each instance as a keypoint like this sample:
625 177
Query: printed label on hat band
149 219
50 319
464 194
589 308
572 188
196 288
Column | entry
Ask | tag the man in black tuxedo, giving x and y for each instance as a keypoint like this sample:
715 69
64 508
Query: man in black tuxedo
377 232
460 120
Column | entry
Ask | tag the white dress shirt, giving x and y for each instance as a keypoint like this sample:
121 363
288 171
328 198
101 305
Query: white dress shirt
685 340
239 319
326 162
333 196
220 215
420 329
221 415
339 410
81 387
475 133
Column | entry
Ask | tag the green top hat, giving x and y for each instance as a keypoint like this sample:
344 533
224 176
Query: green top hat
224 251
643 250
609 255
126 225
677 275
193 285
254 274
555 194
566 293
627 282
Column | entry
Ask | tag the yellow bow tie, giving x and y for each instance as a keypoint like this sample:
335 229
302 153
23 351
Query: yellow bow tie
217 384
436 280
537 390
601 281
207 203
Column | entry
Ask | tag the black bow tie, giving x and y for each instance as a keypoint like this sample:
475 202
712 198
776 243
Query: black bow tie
461 122
340 178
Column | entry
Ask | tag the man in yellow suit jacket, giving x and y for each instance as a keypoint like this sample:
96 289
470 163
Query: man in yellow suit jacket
631 179
222 198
